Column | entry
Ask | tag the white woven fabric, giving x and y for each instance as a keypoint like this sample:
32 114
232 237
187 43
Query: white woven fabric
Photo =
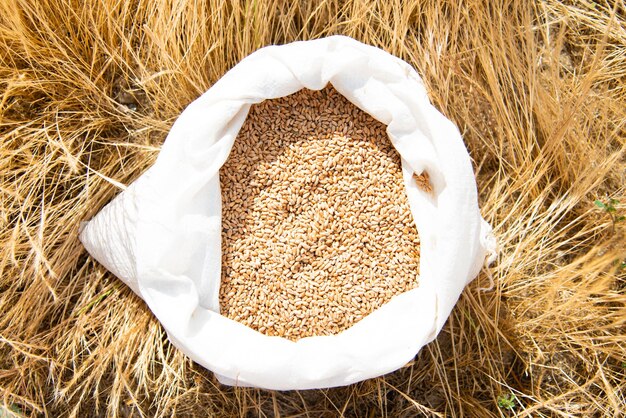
162 236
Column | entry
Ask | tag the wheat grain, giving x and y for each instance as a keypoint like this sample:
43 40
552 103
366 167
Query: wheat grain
317 230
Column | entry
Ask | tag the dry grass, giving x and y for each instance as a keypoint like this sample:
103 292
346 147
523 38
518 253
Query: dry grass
539 93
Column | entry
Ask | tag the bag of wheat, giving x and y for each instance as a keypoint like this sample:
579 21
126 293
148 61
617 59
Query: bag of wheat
310 221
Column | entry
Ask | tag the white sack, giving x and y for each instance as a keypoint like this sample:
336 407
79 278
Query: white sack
162 236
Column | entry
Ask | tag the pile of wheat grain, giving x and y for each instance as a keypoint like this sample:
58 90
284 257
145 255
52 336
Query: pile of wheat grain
317 229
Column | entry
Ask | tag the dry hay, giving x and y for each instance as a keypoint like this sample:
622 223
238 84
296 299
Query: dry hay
89 89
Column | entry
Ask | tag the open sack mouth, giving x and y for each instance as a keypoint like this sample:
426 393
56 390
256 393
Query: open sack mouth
235 288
